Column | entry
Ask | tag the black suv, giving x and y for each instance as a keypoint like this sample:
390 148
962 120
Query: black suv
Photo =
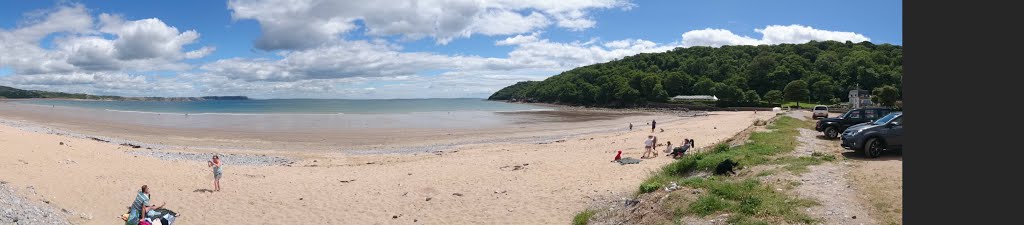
832 127
872 138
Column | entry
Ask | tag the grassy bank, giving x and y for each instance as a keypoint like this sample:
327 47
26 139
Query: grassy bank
744 198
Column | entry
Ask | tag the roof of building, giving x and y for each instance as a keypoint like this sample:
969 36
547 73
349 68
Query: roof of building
695 97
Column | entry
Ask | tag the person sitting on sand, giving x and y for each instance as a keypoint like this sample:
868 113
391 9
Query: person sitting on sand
668 147
140 207
678 152
215 163
648 146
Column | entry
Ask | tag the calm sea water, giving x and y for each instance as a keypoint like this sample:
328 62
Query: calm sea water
298 106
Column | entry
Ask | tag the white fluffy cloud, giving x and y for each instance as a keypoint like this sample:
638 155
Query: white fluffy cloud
102 83
303 24
351 69
716 38
776 34
773 34
366 59
562 56
81 45
518 39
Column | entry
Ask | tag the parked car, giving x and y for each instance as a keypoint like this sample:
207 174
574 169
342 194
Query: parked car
832 127
820 111
872 138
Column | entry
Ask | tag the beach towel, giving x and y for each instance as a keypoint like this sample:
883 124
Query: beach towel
628 160
165 216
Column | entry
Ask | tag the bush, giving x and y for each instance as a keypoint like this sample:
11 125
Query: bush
721 147
684 165
649 187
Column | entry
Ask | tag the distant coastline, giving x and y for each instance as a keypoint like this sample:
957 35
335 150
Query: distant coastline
15 93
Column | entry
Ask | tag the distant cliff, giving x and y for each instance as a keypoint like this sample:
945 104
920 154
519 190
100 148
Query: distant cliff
224 98
14 93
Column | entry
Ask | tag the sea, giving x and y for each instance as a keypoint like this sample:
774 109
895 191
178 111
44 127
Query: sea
297 106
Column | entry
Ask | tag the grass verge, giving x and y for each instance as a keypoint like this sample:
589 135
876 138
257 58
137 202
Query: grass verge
748 201
582 217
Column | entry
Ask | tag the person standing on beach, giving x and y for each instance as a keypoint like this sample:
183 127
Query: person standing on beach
630 126
654 152
652 125
217 172
648 146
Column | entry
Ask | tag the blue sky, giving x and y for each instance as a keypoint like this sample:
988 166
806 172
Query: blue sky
354 49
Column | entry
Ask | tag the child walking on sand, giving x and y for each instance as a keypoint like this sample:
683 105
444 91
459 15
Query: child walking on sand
217 172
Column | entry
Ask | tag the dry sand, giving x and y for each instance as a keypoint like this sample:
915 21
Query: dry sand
470 184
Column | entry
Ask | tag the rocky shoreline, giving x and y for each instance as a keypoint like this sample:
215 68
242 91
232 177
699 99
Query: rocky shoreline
21 211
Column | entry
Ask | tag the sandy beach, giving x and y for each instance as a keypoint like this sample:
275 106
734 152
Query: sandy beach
469 176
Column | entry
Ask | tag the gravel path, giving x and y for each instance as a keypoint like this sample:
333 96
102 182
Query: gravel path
828 184
17 210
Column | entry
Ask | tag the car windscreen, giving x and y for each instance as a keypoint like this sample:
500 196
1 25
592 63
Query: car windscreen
886 119
820 108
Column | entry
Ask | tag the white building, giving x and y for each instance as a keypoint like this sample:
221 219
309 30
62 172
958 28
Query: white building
860 98
695 98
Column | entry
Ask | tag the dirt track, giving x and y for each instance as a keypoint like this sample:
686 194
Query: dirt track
853 185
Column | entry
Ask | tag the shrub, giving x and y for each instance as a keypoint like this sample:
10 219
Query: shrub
583 217
649 187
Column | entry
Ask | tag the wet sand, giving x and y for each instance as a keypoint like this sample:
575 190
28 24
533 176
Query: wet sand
408 132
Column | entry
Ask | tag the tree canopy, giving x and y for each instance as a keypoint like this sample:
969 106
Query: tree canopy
827 69
796 91
885 95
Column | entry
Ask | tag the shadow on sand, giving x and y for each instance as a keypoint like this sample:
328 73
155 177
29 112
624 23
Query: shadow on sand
201 190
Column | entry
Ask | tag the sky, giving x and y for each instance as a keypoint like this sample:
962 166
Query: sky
380 49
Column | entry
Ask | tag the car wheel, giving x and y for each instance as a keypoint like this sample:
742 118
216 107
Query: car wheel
831 133
873 148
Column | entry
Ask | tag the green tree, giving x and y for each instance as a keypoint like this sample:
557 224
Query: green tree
885 95
627 94
751 96
704 87
652 90
696 70
678 83
824 90
773 96
796 91
728 94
